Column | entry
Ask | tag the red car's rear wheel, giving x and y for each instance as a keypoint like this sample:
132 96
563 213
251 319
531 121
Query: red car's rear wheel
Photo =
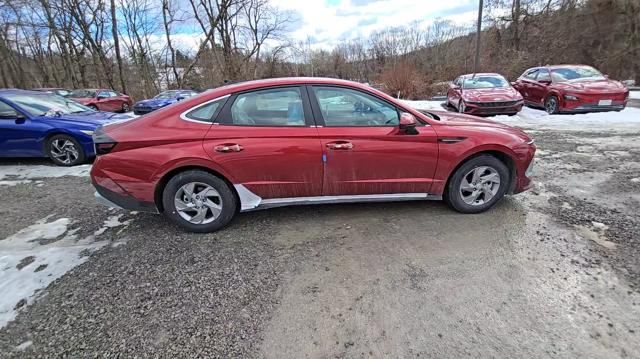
199 201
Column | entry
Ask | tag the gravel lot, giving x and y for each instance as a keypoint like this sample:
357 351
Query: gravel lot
550 273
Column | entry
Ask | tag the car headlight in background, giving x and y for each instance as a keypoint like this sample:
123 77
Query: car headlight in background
87 132
571 97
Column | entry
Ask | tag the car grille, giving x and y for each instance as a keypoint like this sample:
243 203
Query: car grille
497 104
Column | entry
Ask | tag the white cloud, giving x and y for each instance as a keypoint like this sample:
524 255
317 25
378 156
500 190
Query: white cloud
331 21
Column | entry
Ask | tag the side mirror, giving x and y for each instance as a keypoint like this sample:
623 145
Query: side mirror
408 124
545 82
180 98
100 98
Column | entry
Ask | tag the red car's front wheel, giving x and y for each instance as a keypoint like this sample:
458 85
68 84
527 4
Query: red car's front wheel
551 105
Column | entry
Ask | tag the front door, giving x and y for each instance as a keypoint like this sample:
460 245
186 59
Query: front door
538 88
365 152
20 135
267 141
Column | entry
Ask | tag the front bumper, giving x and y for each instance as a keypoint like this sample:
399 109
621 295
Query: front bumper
143 110
593 108
493 108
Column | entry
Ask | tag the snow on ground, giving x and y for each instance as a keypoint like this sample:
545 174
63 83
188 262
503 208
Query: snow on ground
628 119
15 174
34 257
635 95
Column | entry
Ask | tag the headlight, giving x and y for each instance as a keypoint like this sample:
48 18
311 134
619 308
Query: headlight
571 97
87 132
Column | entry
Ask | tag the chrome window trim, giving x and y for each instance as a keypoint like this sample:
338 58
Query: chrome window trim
184 117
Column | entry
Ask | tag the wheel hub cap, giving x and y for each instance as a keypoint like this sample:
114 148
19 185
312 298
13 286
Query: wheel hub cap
480 185
64 151
198 203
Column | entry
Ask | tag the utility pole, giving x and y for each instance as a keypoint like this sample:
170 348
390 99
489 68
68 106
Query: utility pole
478 31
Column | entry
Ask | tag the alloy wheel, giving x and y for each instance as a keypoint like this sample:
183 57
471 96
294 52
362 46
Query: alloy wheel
480 185
551 105
125 107
64 151
198 203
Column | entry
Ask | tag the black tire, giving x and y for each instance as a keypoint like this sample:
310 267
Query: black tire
93 107
552 105
453 194
125 107
227 199
64 150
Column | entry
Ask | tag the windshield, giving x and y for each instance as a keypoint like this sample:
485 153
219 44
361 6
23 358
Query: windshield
564 74
45 104
82 94
480 82
167 94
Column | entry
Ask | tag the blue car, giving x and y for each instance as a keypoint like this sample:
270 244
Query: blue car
39 124
161 100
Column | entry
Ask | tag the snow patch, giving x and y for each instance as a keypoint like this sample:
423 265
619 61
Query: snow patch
26 172
628 119
22 347
27 266
111 222
14 183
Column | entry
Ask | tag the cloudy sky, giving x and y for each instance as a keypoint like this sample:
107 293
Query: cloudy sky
327 22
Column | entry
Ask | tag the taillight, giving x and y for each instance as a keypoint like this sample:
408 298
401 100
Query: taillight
102 142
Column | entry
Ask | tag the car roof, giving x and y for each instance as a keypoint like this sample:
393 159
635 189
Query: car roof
4 92
482 74
284 81
566 65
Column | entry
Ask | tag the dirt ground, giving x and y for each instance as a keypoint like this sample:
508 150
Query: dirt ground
553 272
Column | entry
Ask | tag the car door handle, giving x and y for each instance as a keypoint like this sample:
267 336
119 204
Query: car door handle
228 148
340 145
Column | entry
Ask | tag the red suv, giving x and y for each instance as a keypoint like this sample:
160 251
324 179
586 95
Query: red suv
289 141
571 89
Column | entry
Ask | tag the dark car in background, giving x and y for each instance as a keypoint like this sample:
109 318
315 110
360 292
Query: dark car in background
60 91
102 99
40 124
571 89
484 94
163 99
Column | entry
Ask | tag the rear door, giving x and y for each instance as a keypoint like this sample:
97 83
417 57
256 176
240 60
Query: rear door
266 141
365 151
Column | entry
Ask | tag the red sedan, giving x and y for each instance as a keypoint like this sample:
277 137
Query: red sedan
484 94
571 89
103 100
293 141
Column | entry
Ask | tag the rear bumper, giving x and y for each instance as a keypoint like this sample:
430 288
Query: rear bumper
112 199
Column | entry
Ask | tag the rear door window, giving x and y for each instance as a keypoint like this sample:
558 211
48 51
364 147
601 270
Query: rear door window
270 107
